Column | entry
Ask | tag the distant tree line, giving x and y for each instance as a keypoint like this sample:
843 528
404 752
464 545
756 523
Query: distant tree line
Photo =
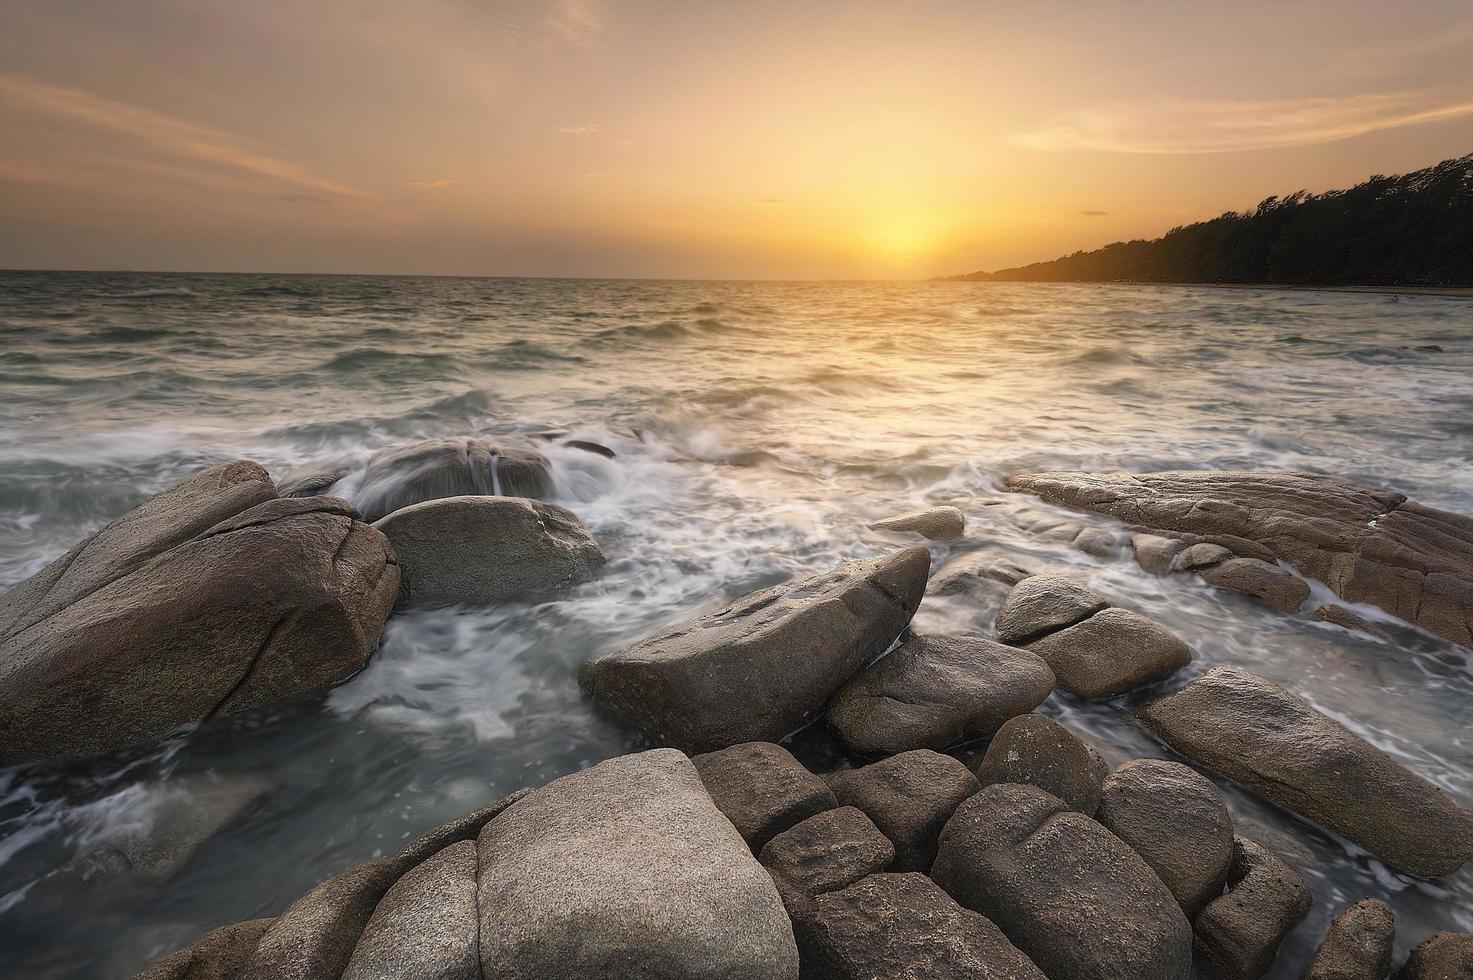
1414 229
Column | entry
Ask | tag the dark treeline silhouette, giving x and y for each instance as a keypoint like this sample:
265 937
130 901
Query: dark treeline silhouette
1415 229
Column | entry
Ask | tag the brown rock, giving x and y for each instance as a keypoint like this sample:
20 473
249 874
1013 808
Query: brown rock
1269 584
1041 604
316 934
1358 944
828 851
1111 652
1238 934
1445 956
1155 553
935 523
1346 619
1038 751
435 468
217 955
762 789
909 796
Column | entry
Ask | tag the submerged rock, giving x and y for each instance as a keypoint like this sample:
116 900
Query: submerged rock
762 789
935 523
976 570
1154 553
1239 933
1038 751
483 550
435 468
910 797
215 596
1267 583
1278 745
734 675
828 851
1348 619
1358 944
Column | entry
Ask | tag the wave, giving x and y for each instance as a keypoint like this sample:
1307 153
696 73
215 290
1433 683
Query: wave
267 291
169 292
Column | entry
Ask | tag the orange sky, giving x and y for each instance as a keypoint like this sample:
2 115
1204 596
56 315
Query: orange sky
690 139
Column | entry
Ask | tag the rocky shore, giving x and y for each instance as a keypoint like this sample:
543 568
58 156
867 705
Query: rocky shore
969 834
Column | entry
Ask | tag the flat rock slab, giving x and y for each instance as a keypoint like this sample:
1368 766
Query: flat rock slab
1358 945
1112 652
1238 934
1038 751
627 869
828 851
1374 546
935 523
762 789
1043 604
935 691
1278 745
760 668
910 797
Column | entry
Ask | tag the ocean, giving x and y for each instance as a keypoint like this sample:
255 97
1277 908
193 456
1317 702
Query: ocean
758 429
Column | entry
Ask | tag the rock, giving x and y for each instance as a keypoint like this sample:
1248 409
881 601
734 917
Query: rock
975 570
1042 604
1246 729
1065 891
315 478
762 789
315 936
627 869
436 468
1199 556
936 691
1358 945
1374 546
1154 553
466 827
215 597
828 851
1175 819
732 676
1038 751
426 925
1113 651
598 449
217 955
1346 619
483 550
1445 956
935 523
1238 934
902 925
1097 541
909 796
1269 584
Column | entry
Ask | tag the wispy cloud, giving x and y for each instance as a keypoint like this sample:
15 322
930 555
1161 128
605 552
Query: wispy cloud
430 184
584 130
160 133
1225 127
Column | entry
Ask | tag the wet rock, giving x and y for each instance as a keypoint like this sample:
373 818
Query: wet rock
435 468
1097 541
217 955
976 570
479 551
1358 945
1347 619
1113 651
598 449
731 676
1445 956
315 936
315 478
762 789
828 851
1176 819
627 869
215 597
1374 546
936 691
1199 556
1065 891
1043 604
1248 730
1269 584
1238 934
1154 553
935 523
426 925
1038 751
903 925
909 797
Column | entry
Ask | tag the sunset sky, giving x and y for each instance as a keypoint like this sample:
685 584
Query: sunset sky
691 139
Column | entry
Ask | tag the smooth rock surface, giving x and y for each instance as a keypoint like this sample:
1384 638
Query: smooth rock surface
910 797
1154 553
1358 944
479 550
1238 934
1269 584
762 789
627 869
401 476
1114 651
935 523
935 691
1042 604
1199 556
828 851
1278 745
426 926
1038 751
1444 956
976 572
733 676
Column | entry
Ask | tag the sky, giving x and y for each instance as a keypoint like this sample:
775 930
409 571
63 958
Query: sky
691 139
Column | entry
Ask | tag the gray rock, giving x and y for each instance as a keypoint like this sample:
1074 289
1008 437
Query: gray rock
1279 746
215 597
1038 751
435 468
828 851
1358 944
731 676
627 869
426 926
217 955
1113 651
1238 934
1065 891
903 926
935 523
483 550
936 691
1269 584
1177 820
1347 619
316 934
1154 553
910 797
1042 604
1445 956
762 789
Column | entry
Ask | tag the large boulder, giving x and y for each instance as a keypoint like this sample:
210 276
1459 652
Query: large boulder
213 597
1043 604
1038 751
1358 945
425 925
763 666
1444 956
1374 546
762 789
910 797
1238 934
483 550
936 523
219 954
828 851
1112 652
627 869
458 467
1278 745
935 691
1067 892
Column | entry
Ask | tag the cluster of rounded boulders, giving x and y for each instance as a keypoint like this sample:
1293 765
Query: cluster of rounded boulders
935 523
1037 751
213 597
1358 945
909 797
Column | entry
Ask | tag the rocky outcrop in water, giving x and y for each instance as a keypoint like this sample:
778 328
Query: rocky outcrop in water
1374 546
732 676
1445 956
935 523
214 597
